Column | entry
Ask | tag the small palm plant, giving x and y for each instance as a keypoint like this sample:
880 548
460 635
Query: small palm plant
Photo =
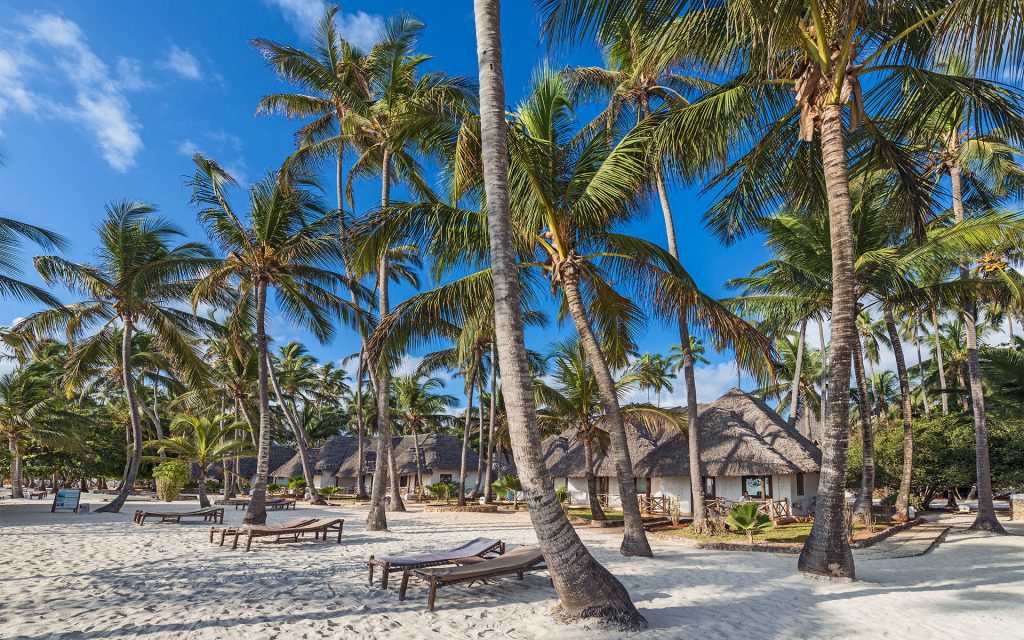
744 517
509 485
329 491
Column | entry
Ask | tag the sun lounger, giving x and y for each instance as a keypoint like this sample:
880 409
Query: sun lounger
317 527
272 504
472 551
230 531
516 562
208 514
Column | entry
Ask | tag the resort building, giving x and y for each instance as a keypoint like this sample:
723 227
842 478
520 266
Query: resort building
748 452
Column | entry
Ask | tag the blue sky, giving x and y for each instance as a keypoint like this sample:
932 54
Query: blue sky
103 101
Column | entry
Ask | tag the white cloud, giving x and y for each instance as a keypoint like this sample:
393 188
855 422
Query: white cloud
183 63
359 28
98 104
129 74
712 382
188 148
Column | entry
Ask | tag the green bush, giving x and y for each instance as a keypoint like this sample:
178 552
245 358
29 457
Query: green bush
171 476
562 494
744 517
328 491
213 486
297 483
508 487
443 490
274 488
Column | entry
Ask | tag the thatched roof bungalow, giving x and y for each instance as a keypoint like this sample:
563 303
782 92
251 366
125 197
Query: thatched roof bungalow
747 451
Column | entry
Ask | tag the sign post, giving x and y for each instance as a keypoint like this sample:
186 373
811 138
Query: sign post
66 499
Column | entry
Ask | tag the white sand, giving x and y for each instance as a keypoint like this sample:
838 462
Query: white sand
101 576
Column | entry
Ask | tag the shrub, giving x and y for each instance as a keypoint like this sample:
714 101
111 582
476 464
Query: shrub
442 490
562 494
274 488
171 476
297 483
508 487
744 517
213 486
329 491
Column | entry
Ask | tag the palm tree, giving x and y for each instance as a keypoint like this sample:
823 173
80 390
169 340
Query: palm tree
201 440
10 286
421 408
584 587
653 373
282 243
297 370
135 283
573 401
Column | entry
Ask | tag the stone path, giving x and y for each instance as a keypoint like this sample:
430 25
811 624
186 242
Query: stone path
915 541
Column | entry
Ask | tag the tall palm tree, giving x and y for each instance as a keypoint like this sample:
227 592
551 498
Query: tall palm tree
572 400
10 286
653 373
584 587
297 371
201 440
134 284
282 243
421 408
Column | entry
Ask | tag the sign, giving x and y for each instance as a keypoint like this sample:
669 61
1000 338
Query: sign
66 499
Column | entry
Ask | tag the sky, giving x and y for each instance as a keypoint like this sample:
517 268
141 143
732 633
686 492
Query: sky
107 101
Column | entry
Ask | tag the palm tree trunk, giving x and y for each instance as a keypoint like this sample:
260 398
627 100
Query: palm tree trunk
827 551
903 497
360 454
204 501
114 506
17 482
488 478
480 437
256 512
585 588
300 438
250 421
824 370
596 512
797 374
986 519
155 418
920 368
416 452
634 539
862 507
465 436
396 503
376 520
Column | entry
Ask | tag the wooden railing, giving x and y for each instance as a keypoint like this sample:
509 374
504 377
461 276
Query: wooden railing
774 509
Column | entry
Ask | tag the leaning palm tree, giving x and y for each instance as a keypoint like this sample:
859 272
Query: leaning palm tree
585 588
201 441
282 243
138 279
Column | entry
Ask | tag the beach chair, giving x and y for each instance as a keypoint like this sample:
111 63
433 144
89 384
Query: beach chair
472 551
517 561
230 531
272 504
317 527
208 514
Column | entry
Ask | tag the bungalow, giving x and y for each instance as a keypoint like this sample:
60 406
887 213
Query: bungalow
279 455
747 452
337 461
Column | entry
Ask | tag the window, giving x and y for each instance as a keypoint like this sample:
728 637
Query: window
370 461
709 487
446 477
799 484
757 487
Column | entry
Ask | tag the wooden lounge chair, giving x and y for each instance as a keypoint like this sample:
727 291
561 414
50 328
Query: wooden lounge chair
517 561
272 504
230 531
208 514
317 527
472 551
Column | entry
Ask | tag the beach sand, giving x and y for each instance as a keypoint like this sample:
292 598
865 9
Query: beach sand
95 575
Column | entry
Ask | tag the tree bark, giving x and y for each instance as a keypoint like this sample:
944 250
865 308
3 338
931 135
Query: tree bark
596 512
634 539
361 455
585 589
480 437
114 506
903 497
942 367
300 437
256 512
986 519
920 367
416 452
862 507
488 478
824 370
465 435
797 374
17 482
827 551
396 503
204 501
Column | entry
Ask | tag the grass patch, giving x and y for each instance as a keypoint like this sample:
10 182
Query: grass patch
793 533
585 513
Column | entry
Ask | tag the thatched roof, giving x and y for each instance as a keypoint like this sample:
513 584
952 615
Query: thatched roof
293 467
740 435
279 454
339 455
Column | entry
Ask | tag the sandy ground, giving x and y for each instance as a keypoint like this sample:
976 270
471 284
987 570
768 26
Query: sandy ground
100 576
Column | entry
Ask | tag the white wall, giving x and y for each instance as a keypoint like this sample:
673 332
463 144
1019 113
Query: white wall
677 487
